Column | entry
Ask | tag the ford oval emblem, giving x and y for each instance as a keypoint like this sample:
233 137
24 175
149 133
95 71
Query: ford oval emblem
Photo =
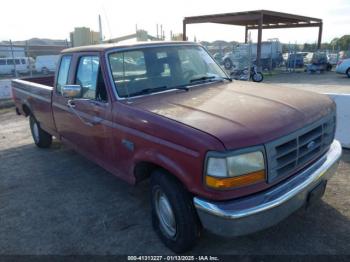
311 145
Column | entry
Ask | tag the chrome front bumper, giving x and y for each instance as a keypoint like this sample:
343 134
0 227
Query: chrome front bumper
253 213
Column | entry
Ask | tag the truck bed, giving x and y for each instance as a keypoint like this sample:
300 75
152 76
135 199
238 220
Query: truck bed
42 80
33 96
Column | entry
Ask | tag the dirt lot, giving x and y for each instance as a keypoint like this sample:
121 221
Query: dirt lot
56 202
328 82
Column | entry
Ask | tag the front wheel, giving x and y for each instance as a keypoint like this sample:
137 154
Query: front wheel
41 138
348 72
173 215
258 77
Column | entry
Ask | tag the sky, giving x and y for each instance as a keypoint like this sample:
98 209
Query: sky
22 20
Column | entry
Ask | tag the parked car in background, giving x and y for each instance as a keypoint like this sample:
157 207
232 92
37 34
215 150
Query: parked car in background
22 65
308 57
333 59
271 55
295 61
218 58
319 63
46 63
343 67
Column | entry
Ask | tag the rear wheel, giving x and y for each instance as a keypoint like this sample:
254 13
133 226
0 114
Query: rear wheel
348 72
173 215
329 67
41 138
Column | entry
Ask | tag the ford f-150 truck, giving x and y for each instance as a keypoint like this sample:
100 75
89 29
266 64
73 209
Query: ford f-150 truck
229 158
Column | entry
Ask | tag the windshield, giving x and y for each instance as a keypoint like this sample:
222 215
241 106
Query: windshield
153 69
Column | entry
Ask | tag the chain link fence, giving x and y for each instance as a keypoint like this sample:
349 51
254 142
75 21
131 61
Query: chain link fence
276 57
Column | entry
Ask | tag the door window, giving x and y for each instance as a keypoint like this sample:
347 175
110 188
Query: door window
90 78
63 72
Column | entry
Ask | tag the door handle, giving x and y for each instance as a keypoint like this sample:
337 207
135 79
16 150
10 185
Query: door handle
95 121
71 103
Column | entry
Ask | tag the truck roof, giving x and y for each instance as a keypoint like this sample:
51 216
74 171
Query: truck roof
104 47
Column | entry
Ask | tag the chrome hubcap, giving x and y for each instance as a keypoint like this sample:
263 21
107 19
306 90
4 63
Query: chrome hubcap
165 214
36 132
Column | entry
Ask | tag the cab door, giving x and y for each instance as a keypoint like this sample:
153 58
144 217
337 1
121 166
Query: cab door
83 121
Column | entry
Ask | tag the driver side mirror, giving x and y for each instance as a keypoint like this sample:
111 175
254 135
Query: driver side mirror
71 91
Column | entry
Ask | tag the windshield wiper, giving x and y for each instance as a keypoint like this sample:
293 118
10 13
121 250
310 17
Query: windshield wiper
158 89
149 91
203 78
206 78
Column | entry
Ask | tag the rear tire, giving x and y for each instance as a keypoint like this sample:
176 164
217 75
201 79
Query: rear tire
348 72
41 138
173 214
329 67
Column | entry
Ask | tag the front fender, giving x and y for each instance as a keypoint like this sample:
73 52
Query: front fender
170 163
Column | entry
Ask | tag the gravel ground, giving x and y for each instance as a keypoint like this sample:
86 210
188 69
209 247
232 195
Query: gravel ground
53 201
327 82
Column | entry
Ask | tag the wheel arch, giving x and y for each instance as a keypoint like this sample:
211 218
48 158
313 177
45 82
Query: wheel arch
144 167
27 110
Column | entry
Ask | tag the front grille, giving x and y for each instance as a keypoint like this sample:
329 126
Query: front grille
292 152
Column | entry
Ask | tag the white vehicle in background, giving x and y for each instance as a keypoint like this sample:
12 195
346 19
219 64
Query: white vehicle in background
22 65
46 63
343 67
333 59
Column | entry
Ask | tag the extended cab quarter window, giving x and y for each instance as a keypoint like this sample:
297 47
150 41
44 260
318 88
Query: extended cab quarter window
63 73
89 77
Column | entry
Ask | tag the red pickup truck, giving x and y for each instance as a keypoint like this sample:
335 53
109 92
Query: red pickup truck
226 157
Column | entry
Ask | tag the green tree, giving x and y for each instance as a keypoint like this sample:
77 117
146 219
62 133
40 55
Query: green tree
344 42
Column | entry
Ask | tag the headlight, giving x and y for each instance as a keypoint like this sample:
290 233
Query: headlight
235 171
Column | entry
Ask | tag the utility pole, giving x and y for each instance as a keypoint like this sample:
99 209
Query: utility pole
13 59
100 29
29 62
157 33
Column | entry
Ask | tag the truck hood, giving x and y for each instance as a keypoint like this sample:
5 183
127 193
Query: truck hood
240 114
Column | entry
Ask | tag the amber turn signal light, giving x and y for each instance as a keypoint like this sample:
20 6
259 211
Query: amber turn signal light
238 181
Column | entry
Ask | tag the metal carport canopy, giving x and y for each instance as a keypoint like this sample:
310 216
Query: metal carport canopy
259 19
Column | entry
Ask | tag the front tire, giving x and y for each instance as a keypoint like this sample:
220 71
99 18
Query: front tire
173 215
348 72
41 138
258 77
